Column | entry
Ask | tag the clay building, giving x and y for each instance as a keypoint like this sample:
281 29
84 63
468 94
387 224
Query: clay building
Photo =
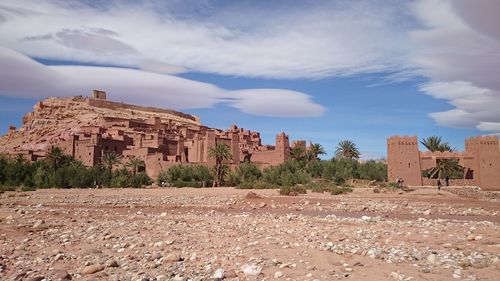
159 137
480 160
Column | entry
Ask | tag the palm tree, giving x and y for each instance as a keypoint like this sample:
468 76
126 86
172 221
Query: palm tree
347 149
298 153
316 149
55 156
434 143
220 152
444 167
109 160
134 163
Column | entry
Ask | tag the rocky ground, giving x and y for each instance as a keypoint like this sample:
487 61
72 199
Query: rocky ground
230 234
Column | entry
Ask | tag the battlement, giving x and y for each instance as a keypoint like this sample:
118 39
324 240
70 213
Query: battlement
480 160
483 143
299 143
403 140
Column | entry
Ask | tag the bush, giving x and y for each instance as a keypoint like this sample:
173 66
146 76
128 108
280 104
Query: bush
27 188
139 180
292 190
373 170
246 174
340 190
186 175
289 173
120 178
319 186
4 188
315 168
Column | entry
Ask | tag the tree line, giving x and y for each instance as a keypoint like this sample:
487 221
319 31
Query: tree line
63 171
304 168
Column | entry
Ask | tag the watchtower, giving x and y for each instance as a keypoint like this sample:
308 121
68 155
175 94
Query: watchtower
282 146
403 159
486 163
99 95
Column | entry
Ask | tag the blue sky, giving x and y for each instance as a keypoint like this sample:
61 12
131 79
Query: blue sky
322 71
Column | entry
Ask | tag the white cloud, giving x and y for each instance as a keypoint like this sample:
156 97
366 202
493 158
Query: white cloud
275 102
456 44
489 126
460 52
285 41
27 78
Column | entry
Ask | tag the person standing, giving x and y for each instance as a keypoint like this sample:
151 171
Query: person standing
439 184
447 181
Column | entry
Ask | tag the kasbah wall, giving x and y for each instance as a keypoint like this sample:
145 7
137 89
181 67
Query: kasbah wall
163 144
481 161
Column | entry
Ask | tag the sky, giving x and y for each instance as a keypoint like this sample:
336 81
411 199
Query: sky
322 71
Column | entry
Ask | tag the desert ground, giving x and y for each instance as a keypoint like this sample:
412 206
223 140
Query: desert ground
232 234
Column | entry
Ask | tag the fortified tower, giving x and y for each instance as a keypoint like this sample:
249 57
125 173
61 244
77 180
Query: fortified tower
403 159
282 146
99 95
486 164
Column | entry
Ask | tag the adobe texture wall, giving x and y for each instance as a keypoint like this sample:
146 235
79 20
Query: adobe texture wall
102 103
486 163
403 160
481 161
88 128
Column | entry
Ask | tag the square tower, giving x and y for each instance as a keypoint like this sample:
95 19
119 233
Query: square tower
99 95
403 159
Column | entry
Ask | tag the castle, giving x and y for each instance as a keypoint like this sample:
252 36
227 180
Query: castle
481 162
159 137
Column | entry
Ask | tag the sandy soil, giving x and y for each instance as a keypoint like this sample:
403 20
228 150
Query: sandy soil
226 234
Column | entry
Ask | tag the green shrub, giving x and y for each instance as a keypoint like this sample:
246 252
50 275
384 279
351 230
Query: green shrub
27 188
292 190
181 183
246 173
319 186
340 190
4 188
373 170
289 173
315 168
139 180
120 178
186 176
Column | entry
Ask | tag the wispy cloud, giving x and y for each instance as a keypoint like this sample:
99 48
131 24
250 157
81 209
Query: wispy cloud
28 78
258 40
460 52
455 44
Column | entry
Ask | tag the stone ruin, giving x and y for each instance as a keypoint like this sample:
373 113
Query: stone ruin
481 162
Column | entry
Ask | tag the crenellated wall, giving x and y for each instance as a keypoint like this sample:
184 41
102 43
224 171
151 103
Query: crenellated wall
481 161
403 159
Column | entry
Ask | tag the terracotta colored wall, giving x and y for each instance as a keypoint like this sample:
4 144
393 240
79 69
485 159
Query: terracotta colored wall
453 182
117 105
403 159
481 159
486 161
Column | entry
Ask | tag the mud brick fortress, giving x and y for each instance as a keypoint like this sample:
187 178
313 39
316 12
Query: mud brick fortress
89 127
481 162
